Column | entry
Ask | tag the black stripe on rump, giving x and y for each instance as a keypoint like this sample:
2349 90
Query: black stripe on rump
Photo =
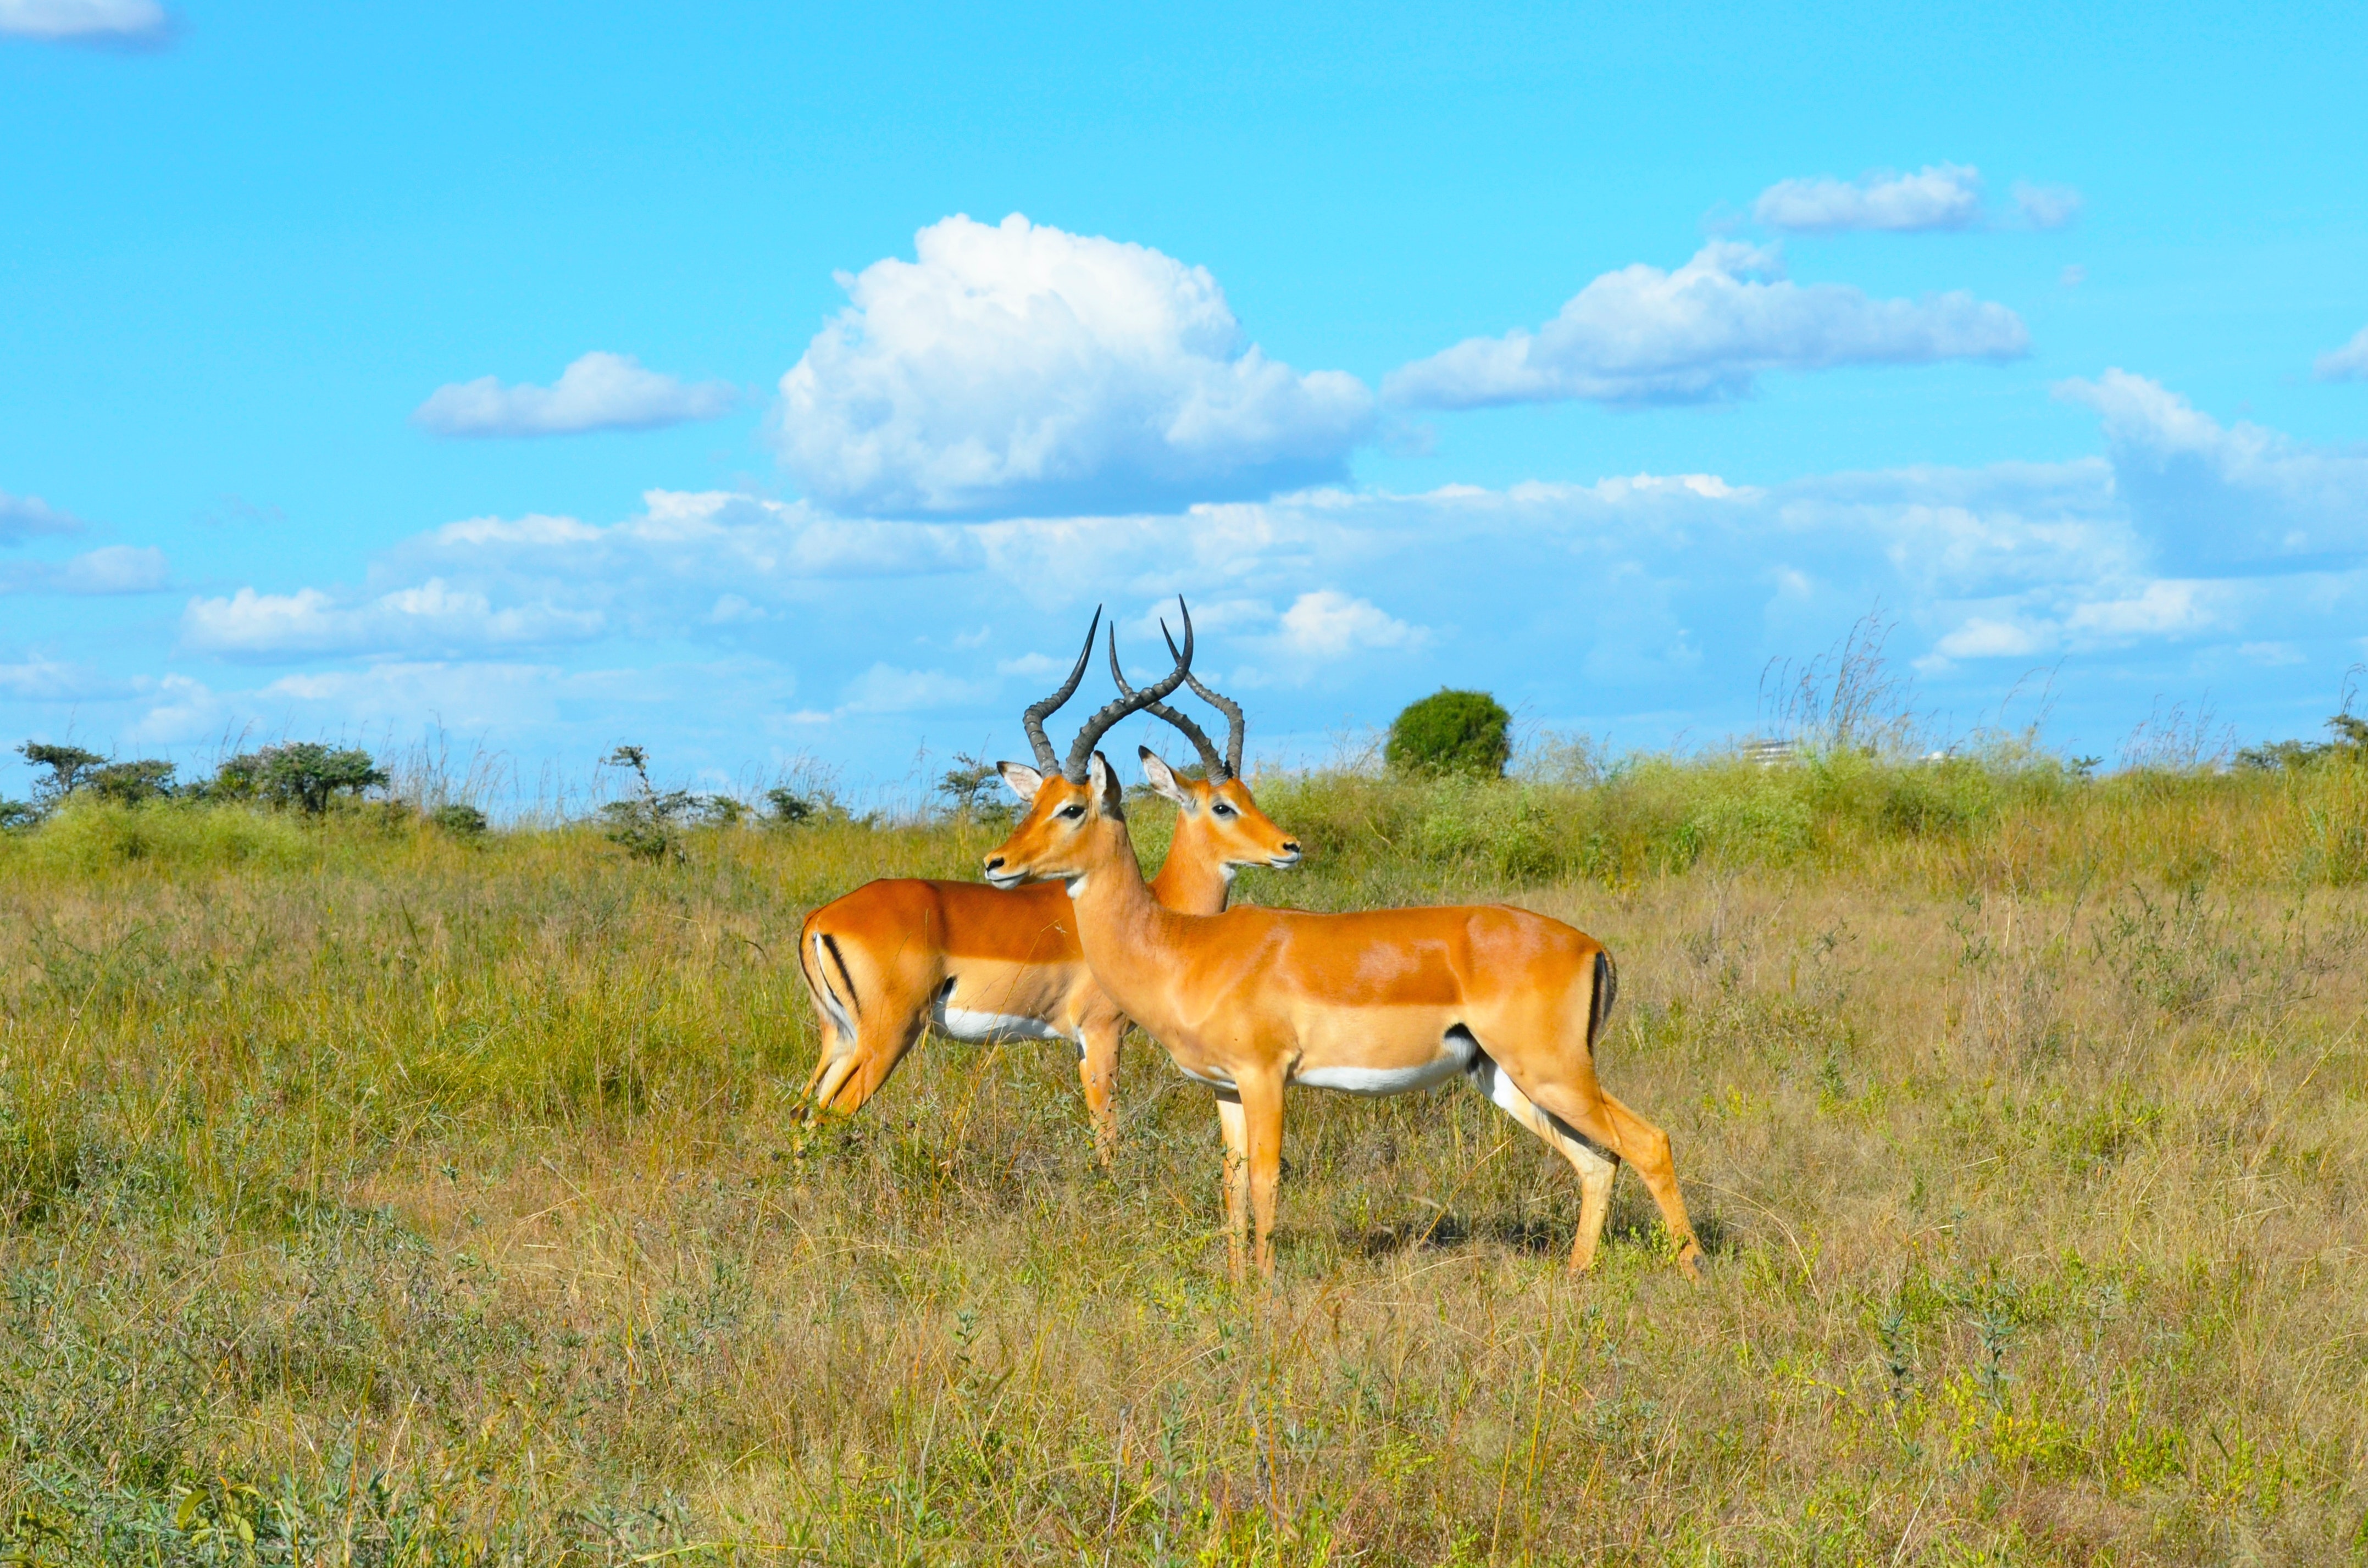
1607 991
854 1004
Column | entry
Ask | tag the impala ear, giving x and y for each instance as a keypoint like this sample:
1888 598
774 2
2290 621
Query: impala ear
1163 781
1024 780
1102 780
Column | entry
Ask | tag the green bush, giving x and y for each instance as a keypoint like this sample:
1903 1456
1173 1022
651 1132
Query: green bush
460 820
129 783
1451 732
88 834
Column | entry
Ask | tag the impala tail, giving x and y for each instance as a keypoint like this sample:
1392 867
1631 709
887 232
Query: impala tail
1607 991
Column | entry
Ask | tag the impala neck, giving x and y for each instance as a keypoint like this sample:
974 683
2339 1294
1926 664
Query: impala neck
1121 927
1194 880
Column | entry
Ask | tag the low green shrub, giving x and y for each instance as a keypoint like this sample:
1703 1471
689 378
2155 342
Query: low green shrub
89 834
1451 732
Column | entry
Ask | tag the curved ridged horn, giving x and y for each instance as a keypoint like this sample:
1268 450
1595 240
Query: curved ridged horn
1212 759
1033 720
1236 728
1081 750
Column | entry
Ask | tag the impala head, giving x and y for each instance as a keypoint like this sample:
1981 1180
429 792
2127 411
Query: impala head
1214 813
1076 807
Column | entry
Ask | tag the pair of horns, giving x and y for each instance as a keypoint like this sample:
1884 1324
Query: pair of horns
1221 766
1131 701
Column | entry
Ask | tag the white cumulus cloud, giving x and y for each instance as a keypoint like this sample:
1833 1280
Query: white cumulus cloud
2046 206
86 21
431 616
883 688
111 569
1940 196
598 391
1703 331
2163 608
2214 496
39 679
2349 363
1329 624
1016 368
22 517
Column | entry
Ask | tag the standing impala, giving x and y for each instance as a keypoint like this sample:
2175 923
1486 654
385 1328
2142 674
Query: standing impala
1377 1003
896 955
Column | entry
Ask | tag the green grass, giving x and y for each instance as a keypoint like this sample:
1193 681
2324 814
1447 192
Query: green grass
370 1195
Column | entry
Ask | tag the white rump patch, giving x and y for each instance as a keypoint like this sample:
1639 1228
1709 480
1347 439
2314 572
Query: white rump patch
830 998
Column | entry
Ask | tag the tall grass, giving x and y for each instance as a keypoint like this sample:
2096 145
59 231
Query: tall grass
373 1195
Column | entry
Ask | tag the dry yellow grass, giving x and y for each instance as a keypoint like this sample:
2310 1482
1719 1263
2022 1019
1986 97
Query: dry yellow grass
371 1197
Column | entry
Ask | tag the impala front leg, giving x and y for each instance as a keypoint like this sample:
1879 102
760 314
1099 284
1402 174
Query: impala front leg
1261 1101
1097 1047
1236 1128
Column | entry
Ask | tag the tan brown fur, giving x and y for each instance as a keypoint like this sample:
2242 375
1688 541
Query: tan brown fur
1256 999
1014 953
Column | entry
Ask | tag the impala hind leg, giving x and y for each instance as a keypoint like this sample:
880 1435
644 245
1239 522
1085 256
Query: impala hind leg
1597 1116
856 1075
836 1027
1595 1169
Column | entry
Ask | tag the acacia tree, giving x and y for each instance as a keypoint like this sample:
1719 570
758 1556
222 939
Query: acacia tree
303 774
67 766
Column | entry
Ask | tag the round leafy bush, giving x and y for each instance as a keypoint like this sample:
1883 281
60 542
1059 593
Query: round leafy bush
1451 732
459 820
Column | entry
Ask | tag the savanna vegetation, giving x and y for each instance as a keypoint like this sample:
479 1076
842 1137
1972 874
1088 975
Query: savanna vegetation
376 1188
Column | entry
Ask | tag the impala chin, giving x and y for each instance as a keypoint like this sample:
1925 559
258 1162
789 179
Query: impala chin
1283 862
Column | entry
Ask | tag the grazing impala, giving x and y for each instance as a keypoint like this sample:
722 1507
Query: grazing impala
1377 1003
894 956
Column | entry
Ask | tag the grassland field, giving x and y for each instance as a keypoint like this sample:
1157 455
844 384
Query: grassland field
371 1193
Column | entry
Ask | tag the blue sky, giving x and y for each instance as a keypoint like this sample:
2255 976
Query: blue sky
576 375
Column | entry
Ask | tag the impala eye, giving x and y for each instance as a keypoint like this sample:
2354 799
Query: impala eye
1071 812
1223 809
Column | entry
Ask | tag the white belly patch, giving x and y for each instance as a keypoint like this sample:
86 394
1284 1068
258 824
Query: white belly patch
1382 1080
1457 1054
963 1023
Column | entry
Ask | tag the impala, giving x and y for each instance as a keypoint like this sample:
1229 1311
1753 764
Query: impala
894 956
1381 1002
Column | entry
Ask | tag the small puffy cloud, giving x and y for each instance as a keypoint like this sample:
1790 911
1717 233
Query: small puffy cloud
2349 363
22 517
433 615
39 679
112 569
1329 624
1703 333
883 688
2046 206
2162 610
2211 496
1940 196
598 391
1981 638
133 23
116 569
1016 368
